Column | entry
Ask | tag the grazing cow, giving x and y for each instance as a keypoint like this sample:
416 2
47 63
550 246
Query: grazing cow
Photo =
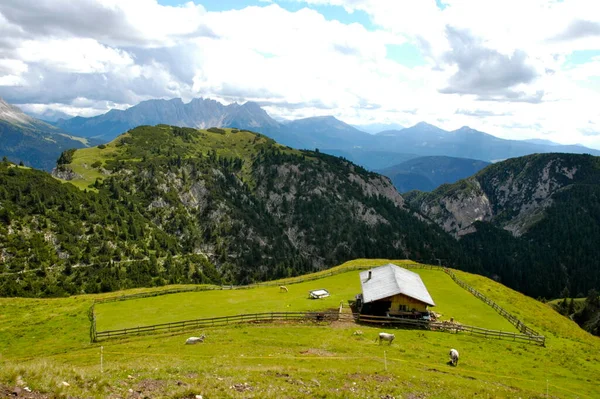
386 337
195 340
283 288
453 357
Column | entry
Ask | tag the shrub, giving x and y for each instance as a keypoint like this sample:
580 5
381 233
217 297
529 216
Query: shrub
102 146
97 164
66 157
216 130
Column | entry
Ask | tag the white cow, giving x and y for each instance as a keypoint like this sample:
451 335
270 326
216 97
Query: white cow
386 337
195 340
453 357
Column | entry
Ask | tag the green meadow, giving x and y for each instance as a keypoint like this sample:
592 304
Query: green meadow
451 301
46 342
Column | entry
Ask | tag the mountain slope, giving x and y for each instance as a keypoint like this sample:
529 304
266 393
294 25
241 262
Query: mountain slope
56 240
374 128
371 159
31 141
428 173
253 208
533 221
326 132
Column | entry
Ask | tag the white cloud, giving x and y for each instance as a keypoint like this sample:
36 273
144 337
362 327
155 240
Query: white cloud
509 78
73 55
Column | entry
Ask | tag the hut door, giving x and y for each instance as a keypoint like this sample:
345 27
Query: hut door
380 308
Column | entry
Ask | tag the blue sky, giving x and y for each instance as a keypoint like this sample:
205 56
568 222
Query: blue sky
515 69
330 12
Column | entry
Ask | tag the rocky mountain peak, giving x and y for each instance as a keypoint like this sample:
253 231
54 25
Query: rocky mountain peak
14 115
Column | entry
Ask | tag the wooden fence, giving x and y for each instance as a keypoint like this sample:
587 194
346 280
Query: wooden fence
318 317
533 336
222 321
512 319
452 328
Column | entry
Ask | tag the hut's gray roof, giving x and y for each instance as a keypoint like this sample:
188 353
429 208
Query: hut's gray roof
390 280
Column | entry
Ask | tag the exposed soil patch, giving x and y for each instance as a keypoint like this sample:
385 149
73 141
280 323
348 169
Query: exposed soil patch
370 377
242 387
277 374
316 352
19 392
146 388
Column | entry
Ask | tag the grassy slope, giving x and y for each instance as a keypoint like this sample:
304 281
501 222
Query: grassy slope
307 360
242 145
451 300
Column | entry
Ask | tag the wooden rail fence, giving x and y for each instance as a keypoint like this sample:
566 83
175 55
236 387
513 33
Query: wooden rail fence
317 317
221 321
453 328
527 333
511 318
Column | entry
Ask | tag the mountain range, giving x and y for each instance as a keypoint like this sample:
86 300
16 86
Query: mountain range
31 141
328 134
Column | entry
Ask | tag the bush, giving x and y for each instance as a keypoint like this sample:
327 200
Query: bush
102 146
97 164
66 157
216 130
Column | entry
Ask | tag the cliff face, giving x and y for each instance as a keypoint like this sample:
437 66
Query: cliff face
512 194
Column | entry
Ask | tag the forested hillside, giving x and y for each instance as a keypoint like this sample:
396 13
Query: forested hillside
164 204
531 222
56 239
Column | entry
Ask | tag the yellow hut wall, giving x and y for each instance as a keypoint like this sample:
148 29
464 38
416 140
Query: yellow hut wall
399 300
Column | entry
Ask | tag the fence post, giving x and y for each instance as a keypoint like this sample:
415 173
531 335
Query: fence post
92 318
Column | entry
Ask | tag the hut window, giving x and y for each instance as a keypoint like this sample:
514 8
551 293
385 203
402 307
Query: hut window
403 308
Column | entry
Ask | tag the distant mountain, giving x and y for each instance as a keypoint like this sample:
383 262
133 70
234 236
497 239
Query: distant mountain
198 113
371 159
49 115
309 133
31 141
325 133
428 173
541 141
374 128
426 139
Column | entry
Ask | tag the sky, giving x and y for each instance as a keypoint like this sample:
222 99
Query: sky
512 68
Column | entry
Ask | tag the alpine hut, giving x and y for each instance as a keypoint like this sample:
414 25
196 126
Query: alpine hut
393 291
